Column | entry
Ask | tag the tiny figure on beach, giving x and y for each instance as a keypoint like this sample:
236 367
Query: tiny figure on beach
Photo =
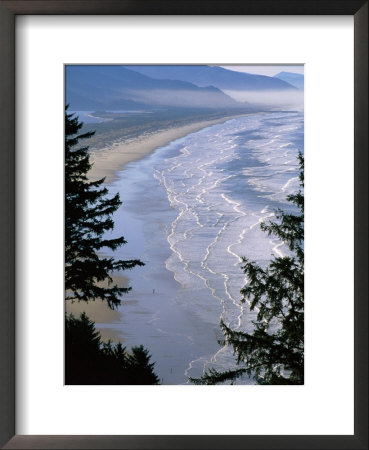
153 291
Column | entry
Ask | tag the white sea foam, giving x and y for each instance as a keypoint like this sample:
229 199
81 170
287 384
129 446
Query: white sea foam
219 183
214 227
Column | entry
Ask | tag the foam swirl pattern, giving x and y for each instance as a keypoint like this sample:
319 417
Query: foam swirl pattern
213 188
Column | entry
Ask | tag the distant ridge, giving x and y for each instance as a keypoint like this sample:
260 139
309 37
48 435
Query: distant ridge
114 87
295 79
202 75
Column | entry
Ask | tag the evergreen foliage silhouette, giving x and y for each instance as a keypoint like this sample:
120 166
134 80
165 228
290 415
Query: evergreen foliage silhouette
91 361
88 213
274 352
88 216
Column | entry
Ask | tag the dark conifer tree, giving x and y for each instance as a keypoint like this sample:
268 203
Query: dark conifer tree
274 352
88 213
88 360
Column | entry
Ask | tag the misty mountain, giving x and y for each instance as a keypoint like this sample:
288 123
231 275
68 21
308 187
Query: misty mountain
214 76
296 79
114 87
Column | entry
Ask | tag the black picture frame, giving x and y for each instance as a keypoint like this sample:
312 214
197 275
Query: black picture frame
8 12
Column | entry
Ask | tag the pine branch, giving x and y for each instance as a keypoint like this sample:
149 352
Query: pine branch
88 213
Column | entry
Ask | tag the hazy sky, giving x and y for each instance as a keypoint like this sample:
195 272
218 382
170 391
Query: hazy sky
269 70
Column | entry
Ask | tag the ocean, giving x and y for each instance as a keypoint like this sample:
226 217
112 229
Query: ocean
190 211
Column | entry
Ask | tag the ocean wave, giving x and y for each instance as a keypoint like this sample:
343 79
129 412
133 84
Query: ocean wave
195 207
217 223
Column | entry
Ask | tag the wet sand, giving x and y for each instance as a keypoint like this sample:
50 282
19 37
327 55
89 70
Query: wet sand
109 160
107 320
106 163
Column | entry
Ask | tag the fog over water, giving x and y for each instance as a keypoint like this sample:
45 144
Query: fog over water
190 211
290 99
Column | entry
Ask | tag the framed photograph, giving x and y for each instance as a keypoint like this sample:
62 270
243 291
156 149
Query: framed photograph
163 166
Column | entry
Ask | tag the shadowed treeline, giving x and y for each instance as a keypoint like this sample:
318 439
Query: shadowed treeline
88 276
90 361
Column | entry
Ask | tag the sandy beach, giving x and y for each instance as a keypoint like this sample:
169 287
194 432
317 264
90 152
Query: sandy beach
191 279
99 312
107 161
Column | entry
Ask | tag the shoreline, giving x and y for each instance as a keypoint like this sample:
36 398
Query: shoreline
107 321
108 161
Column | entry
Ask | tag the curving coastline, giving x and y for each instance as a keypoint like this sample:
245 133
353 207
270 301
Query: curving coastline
109 160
